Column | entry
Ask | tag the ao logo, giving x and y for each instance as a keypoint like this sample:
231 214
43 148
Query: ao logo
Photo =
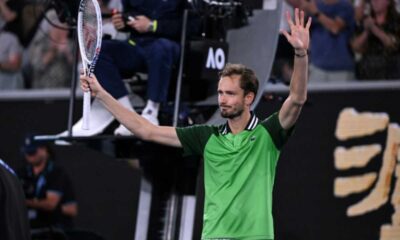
215 60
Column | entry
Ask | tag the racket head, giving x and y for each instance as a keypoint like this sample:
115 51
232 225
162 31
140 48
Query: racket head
89 30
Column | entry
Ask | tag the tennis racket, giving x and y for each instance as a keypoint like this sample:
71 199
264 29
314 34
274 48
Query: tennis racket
89 40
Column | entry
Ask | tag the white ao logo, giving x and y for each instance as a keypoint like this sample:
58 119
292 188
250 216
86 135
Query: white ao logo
215 60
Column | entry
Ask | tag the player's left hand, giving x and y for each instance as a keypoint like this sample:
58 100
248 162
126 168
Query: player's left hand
299 36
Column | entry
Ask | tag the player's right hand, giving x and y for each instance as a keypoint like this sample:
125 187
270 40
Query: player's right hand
91 84
118 21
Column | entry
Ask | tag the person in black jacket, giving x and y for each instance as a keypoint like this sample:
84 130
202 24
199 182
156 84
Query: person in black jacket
14 223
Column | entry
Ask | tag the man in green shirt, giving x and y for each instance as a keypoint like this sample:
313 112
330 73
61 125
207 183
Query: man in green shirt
240 156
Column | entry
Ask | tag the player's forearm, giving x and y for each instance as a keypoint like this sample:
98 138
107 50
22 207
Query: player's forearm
130 119
298 83
291 108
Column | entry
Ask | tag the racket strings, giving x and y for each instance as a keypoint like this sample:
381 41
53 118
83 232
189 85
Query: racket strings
89 29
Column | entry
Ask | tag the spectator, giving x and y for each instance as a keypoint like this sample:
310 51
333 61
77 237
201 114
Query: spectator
10 51
378 42
153 47
14 223
49 194
51 57
331 56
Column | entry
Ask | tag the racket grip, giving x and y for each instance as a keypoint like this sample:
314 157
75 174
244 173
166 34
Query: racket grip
86 110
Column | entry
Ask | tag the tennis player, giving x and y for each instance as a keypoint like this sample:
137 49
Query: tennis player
240 156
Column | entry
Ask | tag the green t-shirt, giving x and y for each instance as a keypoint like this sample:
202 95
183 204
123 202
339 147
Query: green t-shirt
239 172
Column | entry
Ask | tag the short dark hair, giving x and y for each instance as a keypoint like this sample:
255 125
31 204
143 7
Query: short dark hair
248 79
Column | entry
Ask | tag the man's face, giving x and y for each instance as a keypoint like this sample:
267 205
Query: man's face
231 99
37 157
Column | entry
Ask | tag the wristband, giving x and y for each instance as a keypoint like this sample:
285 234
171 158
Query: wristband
300 55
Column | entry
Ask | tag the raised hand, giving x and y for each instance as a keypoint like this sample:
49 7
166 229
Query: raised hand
299 36
91 84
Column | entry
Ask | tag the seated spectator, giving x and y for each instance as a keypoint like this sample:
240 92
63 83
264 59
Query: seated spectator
10 51
333 26
14 223
51 56
48 190
155 28
378 42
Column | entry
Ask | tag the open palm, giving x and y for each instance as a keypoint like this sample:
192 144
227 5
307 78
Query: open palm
299 36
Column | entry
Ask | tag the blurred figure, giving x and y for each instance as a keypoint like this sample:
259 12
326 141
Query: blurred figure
14 223
50 56
48 190
53 67
378 42
10 51
333 27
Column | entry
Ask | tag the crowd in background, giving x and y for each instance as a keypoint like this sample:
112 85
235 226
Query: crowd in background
42 58
351 40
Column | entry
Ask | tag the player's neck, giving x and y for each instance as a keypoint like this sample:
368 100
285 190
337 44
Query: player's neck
239 123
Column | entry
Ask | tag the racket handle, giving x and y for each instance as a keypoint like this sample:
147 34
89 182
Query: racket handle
86 110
